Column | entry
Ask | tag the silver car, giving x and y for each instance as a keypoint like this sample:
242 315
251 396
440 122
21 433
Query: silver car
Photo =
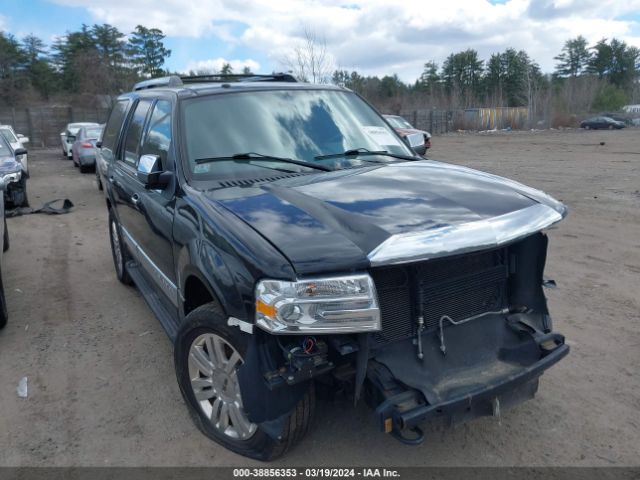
69 136
16 141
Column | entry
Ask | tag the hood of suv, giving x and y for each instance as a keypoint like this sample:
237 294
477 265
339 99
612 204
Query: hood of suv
8 164
333 221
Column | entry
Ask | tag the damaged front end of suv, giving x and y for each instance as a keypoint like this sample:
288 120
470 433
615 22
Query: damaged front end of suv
448 320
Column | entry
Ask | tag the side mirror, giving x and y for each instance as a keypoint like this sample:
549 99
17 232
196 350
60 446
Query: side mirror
20 151
150 172
99 144
417 143
22 139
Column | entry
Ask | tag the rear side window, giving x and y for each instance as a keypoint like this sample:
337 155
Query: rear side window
158 138
134 132
110 136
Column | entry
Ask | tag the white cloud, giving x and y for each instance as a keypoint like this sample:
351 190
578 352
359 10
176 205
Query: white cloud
383 36
216 64
3 23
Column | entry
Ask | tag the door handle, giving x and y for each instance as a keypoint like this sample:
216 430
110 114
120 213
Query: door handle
135 199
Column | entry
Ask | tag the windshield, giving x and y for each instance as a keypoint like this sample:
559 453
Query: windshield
5 150
8 135
398 122
296 124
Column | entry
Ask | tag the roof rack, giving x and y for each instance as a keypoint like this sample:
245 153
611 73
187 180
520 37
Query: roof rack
170 81
179 81
239 77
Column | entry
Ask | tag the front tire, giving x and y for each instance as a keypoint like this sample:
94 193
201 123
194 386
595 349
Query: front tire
207 355
118 250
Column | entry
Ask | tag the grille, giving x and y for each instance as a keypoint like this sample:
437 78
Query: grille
460 287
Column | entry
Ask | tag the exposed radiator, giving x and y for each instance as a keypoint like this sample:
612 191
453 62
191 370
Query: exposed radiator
460 287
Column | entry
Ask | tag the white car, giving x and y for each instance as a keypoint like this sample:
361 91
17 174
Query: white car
69 136
15 140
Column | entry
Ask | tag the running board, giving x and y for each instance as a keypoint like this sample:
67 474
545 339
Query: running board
153 300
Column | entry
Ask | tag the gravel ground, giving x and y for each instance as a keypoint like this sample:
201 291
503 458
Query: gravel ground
102 389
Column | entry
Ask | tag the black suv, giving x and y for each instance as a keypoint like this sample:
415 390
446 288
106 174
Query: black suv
290 242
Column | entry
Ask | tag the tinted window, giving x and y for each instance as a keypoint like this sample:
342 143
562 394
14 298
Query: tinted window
158 138
113 125
134 132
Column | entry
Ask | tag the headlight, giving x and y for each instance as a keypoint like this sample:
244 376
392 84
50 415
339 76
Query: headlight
11 177
323 305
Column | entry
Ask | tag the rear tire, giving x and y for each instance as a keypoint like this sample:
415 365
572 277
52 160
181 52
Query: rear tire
209 322
118 250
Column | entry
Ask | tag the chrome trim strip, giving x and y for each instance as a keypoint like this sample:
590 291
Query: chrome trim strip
241 324
464 238
166 285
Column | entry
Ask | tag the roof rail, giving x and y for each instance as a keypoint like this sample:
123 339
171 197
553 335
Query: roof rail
238 77
170 81
176 81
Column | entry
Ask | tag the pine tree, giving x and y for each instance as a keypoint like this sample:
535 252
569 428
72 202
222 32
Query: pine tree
147 51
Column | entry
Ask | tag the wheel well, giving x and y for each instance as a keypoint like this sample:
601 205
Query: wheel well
195 294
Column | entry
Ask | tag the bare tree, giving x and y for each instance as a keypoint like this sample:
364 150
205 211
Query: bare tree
309 61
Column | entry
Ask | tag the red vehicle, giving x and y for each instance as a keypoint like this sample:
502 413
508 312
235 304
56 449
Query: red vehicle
405 130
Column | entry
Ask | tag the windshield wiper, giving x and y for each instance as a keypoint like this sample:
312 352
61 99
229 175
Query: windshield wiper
356 152
249 156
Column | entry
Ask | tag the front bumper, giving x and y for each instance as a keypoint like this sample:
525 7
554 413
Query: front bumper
87 160
480 402
489 366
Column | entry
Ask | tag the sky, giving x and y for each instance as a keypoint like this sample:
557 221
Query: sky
375 37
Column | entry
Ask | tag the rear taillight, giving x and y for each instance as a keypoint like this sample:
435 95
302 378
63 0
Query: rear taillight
86 145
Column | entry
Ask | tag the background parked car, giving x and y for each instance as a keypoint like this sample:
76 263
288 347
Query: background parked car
83 150
69 136
101 165
405 130
16 141
4 238
601 122
11 173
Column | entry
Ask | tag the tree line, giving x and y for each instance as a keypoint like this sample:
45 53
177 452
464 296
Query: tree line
95 60
602 77
100 60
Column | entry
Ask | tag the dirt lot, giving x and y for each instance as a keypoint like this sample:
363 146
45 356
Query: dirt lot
102 389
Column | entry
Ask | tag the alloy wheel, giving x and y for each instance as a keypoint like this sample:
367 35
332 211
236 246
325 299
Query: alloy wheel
213 364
